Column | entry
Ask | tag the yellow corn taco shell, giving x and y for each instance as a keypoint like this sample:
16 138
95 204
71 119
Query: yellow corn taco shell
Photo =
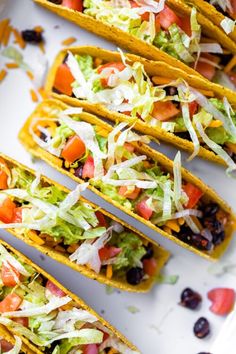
153 68
43 110
211 13
160 254
5 334
135 45
31 348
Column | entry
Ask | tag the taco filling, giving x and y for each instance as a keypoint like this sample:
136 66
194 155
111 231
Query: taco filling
226 7
170 105
48 216
112 163
7 347
38 310
159 25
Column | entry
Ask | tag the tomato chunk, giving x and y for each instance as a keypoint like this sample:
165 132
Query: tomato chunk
110 66
232 77
223 300
185 25
73 4
17 217
167 18
5 346
101 219
144 210
74 149
88 169
24 321
7 209
164 110
63 80
10 303
54 289
129 147
9 275
145 16
123 190
91 349
150 266
193 106
207 70
3 174
193 193
108 252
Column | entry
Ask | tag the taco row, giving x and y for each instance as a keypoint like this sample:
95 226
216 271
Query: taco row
155 98
75 232
126 172
169 31
38 315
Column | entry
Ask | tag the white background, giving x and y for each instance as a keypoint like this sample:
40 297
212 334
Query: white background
161 326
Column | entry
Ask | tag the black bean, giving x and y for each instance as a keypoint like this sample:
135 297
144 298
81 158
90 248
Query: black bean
201 328
171 90
210 209
183 135
32 36
201 242
218 238
190 299
43 136
149 252
79 172
134 275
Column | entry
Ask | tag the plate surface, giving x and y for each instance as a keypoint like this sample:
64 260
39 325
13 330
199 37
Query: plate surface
160 325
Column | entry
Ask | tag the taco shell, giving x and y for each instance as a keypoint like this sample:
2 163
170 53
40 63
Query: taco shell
153 68
31 348
43 110
161 254
136 45
5 334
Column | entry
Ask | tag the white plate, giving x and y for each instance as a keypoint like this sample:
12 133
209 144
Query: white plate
161 326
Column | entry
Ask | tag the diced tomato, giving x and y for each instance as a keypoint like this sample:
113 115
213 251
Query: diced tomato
233 4
223 300
91 349
232 77
127 113
54 289
185 25
88 169
24 321
143 209
108 252
150 266
123 190
73 4
9 275
145 16
10 303
117 65
3 174
168 17
193 193
157 23
63 80
74 149
129 147
207 69
164 110
17 218
101 219
193 106
5 346
7 209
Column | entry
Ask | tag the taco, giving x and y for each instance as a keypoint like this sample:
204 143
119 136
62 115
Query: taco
221 12
158 100
11 344
75 232
46 316
168 31
133 177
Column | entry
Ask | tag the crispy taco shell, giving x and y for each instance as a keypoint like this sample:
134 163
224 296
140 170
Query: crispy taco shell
211 13
136 45
5 334
160 254
27 140
31 348
153 68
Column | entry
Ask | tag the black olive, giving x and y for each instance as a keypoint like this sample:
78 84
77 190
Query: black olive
79 172
57 2
43 136
171 90
32 36
201 328
135 275
210 209
149 252
190 299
